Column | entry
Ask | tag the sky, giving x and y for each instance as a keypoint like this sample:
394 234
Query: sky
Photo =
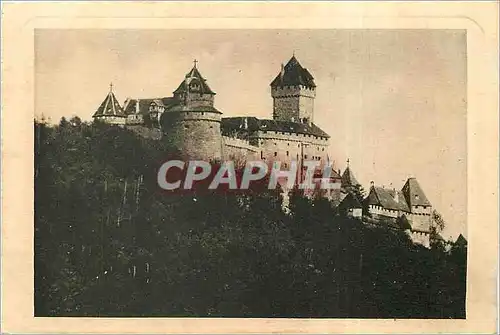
393 101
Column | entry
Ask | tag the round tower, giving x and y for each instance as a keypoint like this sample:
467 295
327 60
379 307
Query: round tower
192 126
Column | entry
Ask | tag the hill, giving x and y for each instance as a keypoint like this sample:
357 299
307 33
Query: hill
109 243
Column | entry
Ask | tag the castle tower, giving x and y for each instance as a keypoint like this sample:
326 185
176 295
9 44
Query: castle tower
348 179
110 110
293 91
192 126
194 90
419 206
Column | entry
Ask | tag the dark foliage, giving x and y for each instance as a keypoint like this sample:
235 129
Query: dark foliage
109 243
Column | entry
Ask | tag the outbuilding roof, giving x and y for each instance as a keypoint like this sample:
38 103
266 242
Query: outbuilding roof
251 124
130 105
386 198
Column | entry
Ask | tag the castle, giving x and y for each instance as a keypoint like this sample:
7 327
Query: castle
189 123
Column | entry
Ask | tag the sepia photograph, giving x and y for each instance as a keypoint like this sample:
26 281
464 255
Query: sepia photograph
226 168
119 231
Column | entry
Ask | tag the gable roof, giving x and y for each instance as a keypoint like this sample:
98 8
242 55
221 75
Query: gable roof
232 125
386 198
348 178
293 74
110 107
350 201
130 106
414 194
194 76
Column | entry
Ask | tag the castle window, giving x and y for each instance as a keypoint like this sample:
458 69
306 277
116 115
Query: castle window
288 144
186 126
287 153
305 156
211 127
323 149
202 113
261 155
275 154
285 165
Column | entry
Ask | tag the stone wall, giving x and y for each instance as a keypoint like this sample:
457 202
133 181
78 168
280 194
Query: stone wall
135 119
293 103
421 222
380 212
419 237
195 99
112 119
146 132
285 147
238 150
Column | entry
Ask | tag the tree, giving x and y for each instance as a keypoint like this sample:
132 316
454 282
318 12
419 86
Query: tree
109 243
438 221
358 191
75 121
63 123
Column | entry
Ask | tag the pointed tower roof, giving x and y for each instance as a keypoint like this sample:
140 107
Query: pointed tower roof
350 201
414 194
461 241
194 75
110 106
348 178
293 74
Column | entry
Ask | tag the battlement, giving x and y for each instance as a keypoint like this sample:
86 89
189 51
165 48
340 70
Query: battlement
293 91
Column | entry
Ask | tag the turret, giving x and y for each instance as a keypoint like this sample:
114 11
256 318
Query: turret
293 91
194 90
192 125
110 110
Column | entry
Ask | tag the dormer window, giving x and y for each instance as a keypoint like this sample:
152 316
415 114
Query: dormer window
194 86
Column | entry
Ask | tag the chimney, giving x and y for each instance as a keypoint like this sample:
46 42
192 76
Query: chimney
137 109
282 71
372 184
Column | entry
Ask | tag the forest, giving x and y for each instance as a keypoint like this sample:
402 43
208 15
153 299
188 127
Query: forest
109 242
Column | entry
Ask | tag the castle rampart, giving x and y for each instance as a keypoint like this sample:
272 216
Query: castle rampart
238 150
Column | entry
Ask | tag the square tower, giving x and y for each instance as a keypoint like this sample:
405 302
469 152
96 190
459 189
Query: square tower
293 91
